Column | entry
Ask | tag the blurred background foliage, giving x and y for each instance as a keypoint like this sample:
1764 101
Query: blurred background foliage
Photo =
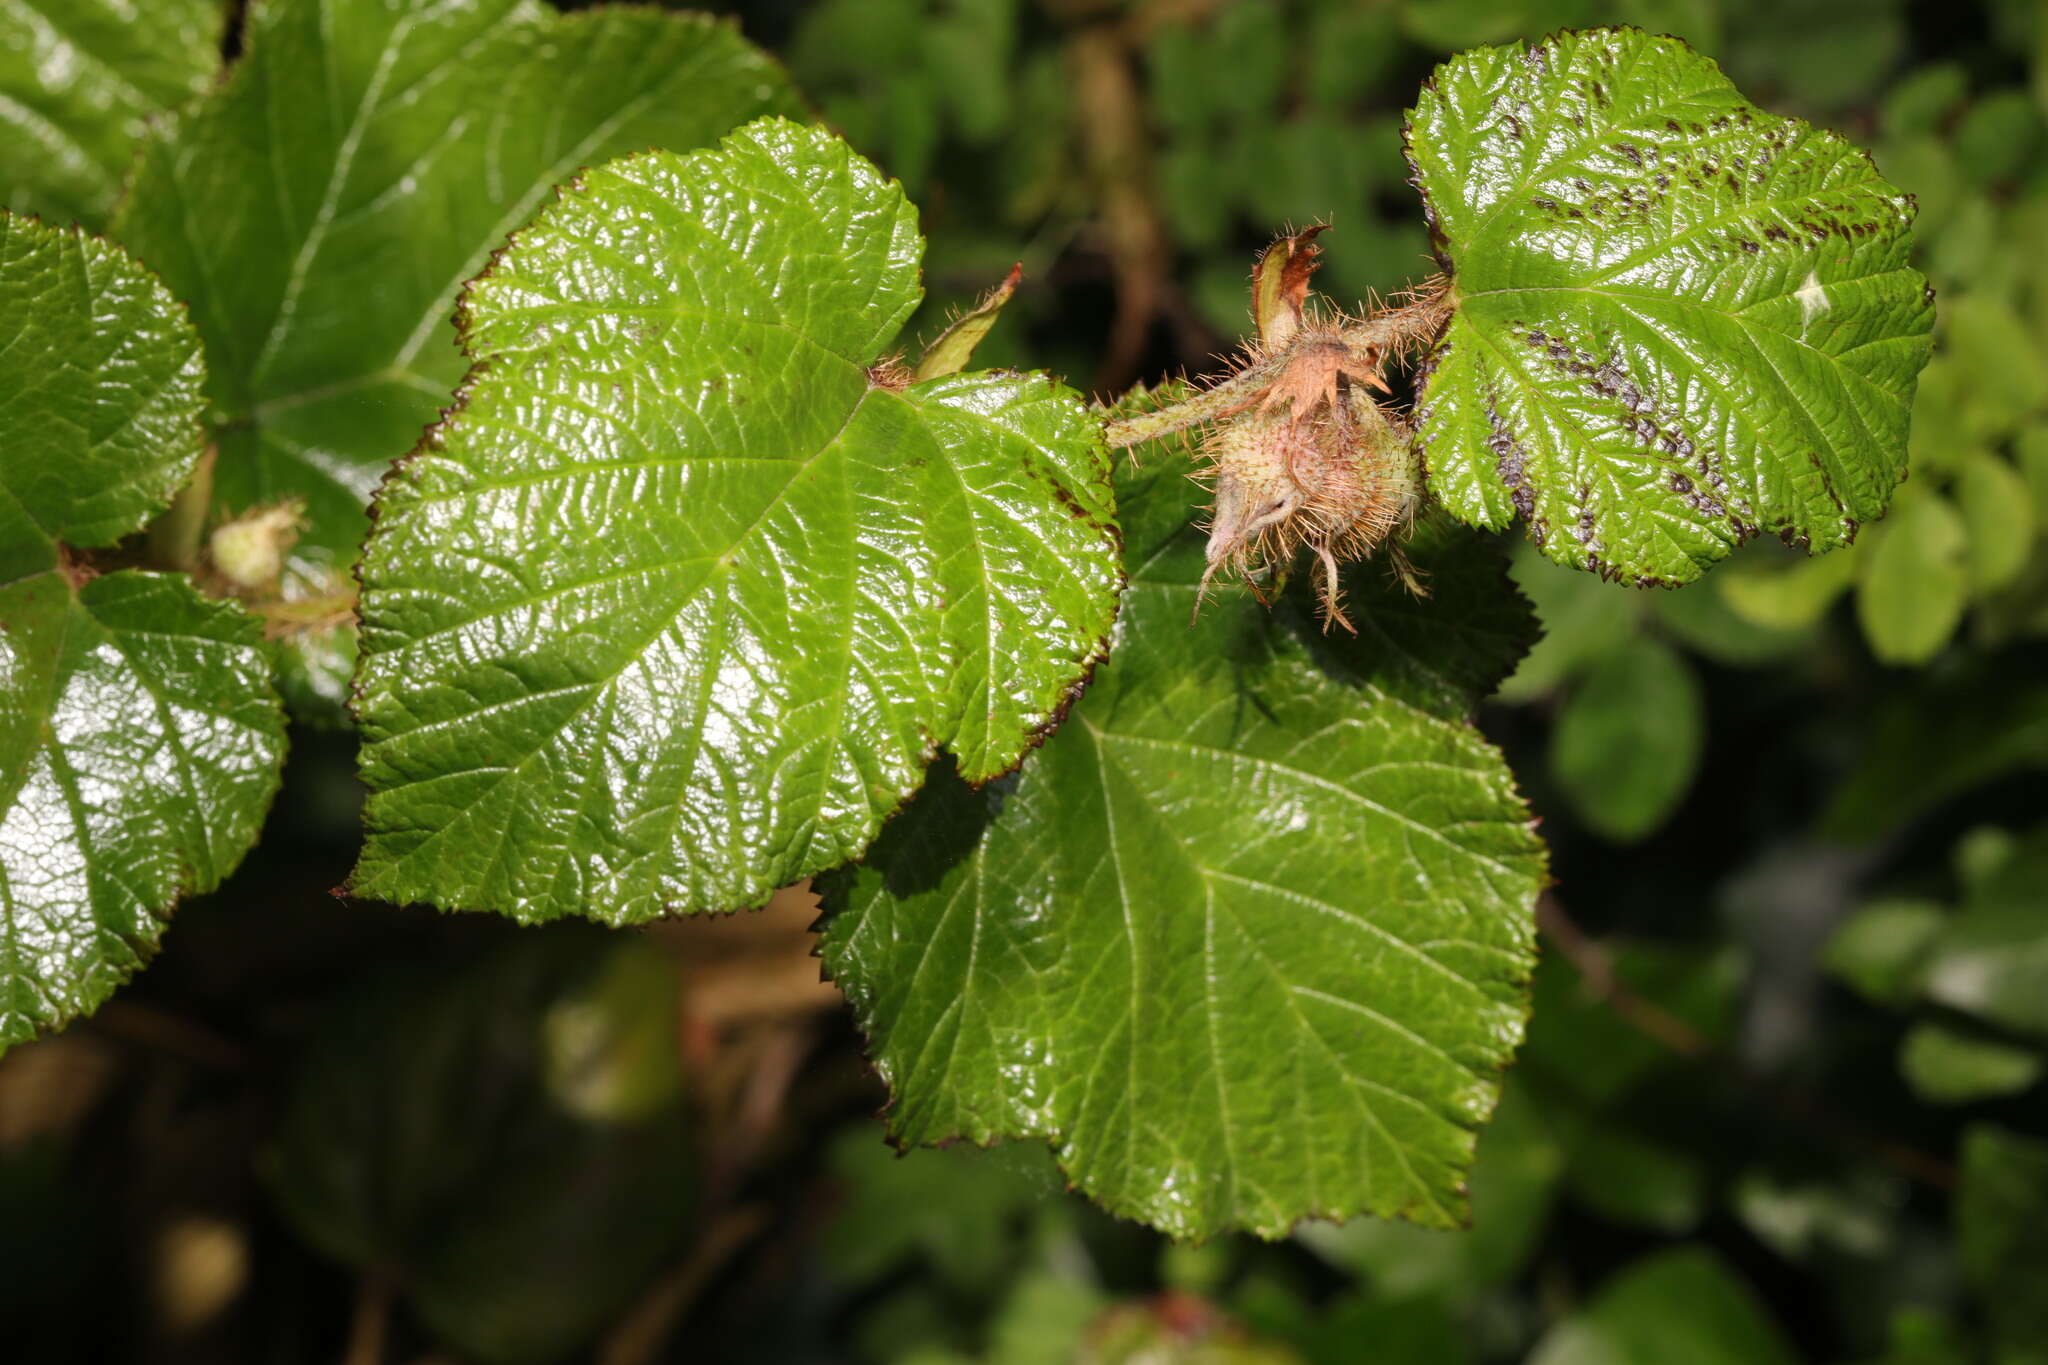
1783 1094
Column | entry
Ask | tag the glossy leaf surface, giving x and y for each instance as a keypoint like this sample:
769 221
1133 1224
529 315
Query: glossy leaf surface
678 605
100 380
140 745
78 80
1680 320
139 740
321 208
1248 940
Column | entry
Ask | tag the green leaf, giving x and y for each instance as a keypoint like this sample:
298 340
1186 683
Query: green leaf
1937 737
954 348
2002 375
1248 940
676 607
1913 593
79 79
1452 24
1998 519
1998 136
1042 1320
1676 1305
139 739
100 379
1576 1054
1938 441
510 1137
1981 855
1706 625
1923 98
1680 320
2001 1215
1833 53
1923 1336
2032 449
1965 252
1802 1219
1606 1092
1636 1179
321 207
951 1208
1583 621
1881 950
140 746
1514 1178
1946 1064
1788 597
1991 960
1629 738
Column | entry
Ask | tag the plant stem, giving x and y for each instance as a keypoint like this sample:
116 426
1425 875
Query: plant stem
1387 332
131 1021
1204 406
1116 152
1652 1020
640 1335
371 1321
174 537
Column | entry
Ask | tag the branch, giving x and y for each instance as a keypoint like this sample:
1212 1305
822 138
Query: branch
1206 405
1116 152
370 1324
1596 968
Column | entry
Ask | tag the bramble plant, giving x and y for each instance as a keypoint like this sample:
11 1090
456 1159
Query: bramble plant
707 578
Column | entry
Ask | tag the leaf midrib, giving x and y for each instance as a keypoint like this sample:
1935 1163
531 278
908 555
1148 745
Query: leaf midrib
1285 990
597 687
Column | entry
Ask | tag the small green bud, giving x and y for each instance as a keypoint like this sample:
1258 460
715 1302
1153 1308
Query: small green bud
249 551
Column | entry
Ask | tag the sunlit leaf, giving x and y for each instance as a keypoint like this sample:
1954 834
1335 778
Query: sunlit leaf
100 379
677 606
1248 939
139 739
1681 321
